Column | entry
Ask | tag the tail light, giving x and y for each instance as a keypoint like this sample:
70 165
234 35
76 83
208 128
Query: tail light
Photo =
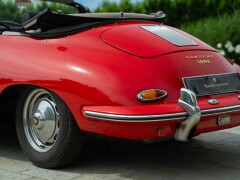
151 95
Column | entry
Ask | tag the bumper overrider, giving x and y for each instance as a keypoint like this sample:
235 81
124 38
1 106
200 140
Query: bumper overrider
187 114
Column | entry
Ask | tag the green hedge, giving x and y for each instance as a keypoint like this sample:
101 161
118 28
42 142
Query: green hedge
178 11
9 11
186 11
221 30
215 30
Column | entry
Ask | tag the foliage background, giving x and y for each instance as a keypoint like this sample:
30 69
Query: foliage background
216 22
9 11
178 11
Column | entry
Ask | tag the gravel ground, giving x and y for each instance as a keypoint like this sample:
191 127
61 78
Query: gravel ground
208 156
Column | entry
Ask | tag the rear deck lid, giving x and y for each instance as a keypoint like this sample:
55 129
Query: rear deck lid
150 40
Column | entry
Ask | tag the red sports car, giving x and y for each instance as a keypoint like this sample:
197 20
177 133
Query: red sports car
123 75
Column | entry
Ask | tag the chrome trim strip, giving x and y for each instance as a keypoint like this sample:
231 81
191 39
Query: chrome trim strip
223 110
155 118
133 118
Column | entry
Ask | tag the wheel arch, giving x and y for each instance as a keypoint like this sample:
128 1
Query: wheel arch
9 98
10 95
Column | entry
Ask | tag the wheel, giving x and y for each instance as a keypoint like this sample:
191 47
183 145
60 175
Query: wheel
46 129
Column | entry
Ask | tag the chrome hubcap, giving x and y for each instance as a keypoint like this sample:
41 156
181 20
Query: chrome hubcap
41 120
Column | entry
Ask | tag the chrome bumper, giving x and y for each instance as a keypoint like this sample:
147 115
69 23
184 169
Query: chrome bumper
157 118
188 101
189 119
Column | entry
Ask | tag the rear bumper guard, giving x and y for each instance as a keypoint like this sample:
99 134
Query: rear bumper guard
188 101
190 118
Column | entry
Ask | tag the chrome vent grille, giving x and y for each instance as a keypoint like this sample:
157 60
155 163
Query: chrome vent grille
169 35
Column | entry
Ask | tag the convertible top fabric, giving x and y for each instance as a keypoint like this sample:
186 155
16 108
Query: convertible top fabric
55 24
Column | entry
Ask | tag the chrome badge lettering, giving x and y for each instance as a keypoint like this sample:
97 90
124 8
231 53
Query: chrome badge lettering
201 59
204 61
211 85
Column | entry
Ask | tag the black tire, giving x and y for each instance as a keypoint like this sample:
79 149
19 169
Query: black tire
55 146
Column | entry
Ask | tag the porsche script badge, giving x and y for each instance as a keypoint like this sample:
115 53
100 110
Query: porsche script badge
201 59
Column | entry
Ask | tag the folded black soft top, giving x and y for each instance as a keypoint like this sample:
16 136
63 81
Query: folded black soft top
55 24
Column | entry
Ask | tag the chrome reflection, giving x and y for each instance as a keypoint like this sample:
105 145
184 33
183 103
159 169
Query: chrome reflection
160 94
213 101
188 102
41 120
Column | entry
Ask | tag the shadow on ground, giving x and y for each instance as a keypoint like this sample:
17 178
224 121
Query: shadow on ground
209 156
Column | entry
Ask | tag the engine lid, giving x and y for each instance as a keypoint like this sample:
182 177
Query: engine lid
150 40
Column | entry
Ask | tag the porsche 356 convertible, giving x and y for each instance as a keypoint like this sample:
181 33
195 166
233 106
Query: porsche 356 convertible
122 75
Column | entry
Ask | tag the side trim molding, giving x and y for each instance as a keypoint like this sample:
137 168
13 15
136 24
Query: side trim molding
133 118
156 118
222 110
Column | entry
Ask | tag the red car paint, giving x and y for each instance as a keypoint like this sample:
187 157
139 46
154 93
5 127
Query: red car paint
104 68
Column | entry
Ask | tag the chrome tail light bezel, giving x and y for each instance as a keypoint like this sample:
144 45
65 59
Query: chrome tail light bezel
161 95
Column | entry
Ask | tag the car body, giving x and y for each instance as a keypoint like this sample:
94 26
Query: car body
122 75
